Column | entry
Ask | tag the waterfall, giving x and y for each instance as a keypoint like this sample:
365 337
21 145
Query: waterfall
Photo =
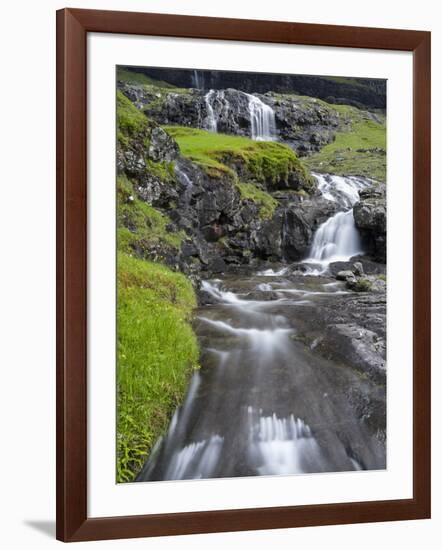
262 120
198 80
211 120
338 239
184 179
262 117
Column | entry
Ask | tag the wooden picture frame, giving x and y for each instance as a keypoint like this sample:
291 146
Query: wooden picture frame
73 523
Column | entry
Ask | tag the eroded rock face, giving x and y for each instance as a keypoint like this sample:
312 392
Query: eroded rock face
370 215
304 123
162 147
300 221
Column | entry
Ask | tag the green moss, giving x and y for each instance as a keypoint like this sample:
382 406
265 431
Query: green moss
352 151
157 351
361 285
263 200
163 170
130 121
140 225
264 162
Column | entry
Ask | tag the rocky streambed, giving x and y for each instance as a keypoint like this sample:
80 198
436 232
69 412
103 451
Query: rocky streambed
292 380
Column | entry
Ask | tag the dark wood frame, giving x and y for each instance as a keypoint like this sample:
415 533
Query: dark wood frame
72 521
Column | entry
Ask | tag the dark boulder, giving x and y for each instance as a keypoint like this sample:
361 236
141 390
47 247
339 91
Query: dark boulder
370 215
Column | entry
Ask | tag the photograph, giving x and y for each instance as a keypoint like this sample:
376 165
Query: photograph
251 274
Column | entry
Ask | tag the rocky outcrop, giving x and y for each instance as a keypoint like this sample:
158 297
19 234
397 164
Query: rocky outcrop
360 92
306 124
370 215
300 220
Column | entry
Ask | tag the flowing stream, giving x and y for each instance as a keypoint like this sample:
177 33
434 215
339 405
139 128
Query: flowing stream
265 402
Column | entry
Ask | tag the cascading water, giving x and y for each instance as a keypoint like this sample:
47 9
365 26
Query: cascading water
262 120
186 181
198 80
211 119
261 404
343 190
338 239
262 116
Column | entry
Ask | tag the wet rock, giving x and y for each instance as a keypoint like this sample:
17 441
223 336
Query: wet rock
362 348
370 215
261 296
162 147
345 276
300 220
358 269
359 284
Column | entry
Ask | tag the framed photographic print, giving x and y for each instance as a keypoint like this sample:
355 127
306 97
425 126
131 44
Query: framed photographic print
243 283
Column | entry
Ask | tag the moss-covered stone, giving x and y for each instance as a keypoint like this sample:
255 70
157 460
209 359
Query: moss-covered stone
266 203
272 164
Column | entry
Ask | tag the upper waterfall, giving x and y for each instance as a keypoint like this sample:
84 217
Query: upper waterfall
222 105
262 120
211 120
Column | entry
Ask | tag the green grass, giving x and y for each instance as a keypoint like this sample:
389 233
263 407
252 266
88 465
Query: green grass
132 77
157 351
131 123
263 200
157 348
141 226
342 156
263 162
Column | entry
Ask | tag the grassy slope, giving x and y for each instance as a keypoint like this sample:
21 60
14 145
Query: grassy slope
240 157
157 349
132 77
342 156
140 226
151 84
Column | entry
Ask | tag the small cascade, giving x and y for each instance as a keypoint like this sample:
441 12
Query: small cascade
212 119
195 461
198 79
184 179
213 288
343 190
281 446
338 239
262 120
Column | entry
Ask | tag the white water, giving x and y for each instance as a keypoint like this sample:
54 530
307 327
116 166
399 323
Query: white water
237 418
211 120
338 239
262 120
341 189
214 290
198 80
280 445
186 181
